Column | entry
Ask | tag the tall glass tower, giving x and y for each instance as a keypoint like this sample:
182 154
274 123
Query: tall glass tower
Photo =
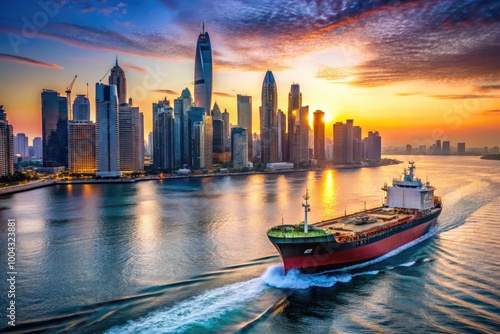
269 120
203 72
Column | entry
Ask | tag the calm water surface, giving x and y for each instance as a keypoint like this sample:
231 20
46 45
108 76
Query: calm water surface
192 256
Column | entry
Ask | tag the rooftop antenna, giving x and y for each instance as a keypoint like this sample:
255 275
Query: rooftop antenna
203 25
87 89
117 60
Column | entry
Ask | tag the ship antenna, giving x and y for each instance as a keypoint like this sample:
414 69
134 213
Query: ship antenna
282 222
306 210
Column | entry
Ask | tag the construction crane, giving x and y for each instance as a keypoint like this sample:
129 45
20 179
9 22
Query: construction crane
68 96
105 75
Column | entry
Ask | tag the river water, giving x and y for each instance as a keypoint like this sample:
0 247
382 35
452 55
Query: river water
192 256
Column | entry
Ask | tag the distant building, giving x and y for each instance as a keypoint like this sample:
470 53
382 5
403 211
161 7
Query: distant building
218 138
294 104
494 150
131 137
282 147
319 135
302 131
216 113
269 120
164 137
343 142
21 146
82 147
446 147
37 148
208 138
107 129
203 72
239 144
409 149
373 146
244 104
81 108
54 129
461 148
150 143
438 147
226 131
117 78
6 145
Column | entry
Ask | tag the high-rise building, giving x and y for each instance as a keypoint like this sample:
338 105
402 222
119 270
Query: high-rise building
245 119
343 142
203 72
269 120
54 129
216 113
302 135
409 149
82 147
294 104
81 108
461 148
438 146
373 146
164 137
208 132
131 137
226 131
37 148
282 146
239 144
446 147
21 146
218 140
6 145
358 145
117 78
107 130
319 135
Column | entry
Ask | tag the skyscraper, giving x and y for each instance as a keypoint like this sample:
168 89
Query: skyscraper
6 145
54 129
461 148
282 147
342 142
107 129
216 113
373 146
302 129
294 104
319 135
239 144
117 78
82 147
269 120
226 131
203 72
81 108
131 137
37 148
21 146
446 147
164 137
245 118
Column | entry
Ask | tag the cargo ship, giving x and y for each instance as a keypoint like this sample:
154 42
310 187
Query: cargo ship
409 210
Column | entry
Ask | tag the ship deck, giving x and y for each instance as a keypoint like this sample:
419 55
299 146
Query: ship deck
364 221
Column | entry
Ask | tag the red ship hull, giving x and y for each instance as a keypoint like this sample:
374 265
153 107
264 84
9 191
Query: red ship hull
339 258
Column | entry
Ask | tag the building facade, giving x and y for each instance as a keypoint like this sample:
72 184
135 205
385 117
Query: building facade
244 110
294 104
54 129
319 135
269 120
117 78
6 145
82 147
107 131
81 108
239 144
203 72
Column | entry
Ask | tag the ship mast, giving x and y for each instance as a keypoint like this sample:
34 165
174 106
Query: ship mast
307 208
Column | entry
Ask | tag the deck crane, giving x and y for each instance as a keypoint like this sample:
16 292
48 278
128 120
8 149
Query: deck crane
68 96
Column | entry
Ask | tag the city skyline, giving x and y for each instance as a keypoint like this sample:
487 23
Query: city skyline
432 75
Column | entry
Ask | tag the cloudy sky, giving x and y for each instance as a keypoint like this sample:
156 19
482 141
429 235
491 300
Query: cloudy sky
416 71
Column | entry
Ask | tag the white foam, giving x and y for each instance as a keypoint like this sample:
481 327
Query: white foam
199 310
408 264
294 279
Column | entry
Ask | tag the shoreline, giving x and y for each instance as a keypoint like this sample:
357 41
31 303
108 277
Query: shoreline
46 182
